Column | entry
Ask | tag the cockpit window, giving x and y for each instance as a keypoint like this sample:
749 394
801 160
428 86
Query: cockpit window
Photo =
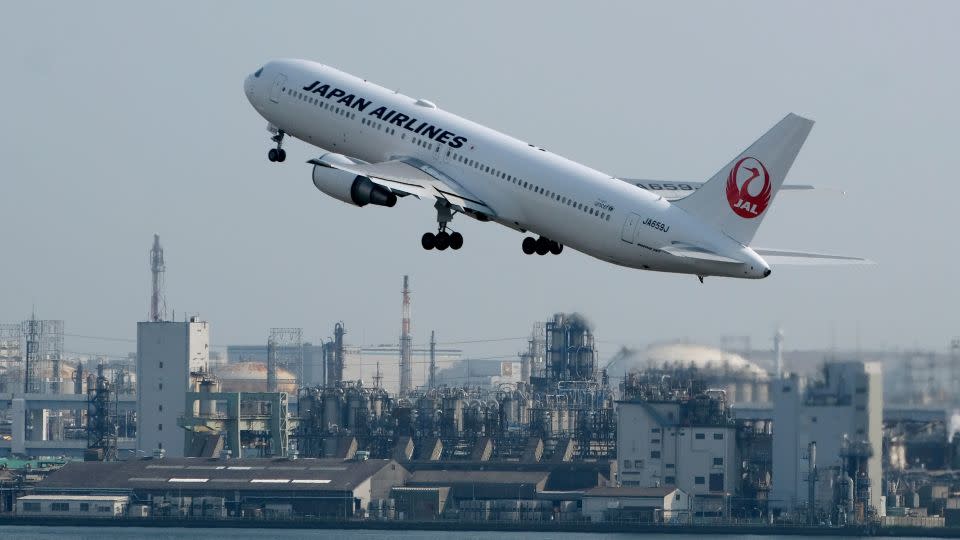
258 72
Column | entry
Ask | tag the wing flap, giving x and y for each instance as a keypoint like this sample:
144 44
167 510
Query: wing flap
793 257
415 178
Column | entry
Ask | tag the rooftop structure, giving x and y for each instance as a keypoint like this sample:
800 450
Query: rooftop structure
318 487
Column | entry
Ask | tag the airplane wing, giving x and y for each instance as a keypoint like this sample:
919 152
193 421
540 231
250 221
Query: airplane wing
673 190
792 257
414 177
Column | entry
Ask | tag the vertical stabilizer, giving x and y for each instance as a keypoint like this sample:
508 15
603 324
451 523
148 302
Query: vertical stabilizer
736 199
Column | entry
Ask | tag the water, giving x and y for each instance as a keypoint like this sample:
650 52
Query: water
114 533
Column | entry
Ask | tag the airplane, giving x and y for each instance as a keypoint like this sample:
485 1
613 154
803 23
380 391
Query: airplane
380 146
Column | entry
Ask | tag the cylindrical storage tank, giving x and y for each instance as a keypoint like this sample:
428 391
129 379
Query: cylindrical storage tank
354 410
331 409
762 395
744 391
377 406
508 409
208 407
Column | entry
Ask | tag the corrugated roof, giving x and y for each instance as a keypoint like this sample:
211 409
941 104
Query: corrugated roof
477 477
212 474
114 498
659 492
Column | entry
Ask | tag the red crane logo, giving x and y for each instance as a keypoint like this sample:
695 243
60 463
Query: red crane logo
744 203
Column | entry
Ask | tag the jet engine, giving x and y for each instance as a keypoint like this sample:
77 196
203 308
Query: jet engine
348 187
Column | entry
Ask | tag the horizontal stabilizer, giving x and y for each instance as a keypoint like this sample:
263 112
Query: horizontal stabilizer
792 257
696 252
674 190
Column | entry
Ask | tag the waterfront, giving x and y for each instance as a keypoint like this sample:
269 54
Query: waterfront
173 533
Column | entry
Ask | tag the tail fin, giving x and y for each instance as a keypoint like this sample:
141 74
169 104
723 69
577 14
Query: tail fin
737 197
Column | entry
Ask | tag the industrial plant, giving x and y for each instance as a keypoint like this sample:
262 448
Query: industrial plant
676 434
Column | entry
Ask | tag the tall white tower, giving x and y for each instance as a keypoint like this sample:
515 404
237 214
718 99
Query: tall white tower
166 354
778 353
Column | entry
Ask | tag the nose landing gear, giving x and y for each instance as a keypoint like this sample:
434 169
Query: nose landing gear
277 154
541 246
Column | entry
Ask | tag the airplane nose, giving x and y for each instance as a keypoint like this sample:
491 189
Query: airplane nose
248 87
767 272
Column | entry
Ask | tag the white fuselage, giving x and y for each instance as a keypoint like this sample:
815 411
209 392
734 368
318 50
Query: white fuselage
528 187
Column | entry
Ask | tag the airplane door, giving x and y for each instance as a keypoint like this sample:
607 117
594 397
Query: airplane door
629 226
278 83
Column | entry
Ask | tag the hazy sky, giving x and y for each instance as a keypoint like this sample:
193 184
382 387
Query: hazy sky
126 119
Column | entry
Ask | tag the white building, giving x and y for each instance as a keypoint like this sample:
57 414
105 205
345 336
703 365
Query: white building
166 354
94 506
842 414
664 443
660 505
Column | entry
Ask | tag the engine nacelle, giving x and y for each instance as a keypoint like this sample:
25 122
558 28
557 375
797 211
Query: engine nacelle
348 187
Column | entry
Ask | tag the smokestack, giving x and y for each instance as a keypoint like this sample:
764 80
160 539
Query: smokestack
271 365
812 481
406 342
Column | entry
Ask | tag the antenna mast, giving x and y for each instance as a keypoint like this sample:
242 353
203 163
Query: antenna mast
406 342
158 302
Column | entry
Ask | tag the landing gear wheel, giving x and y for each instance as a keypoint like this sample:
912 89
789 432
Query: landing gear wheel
442 241
543 246
277 154
456 241
529 245
428 241
555 247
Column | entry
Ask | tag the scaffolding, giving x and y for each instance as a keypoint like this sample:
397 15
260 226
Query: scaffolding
102 414
11 362
43 352
284 350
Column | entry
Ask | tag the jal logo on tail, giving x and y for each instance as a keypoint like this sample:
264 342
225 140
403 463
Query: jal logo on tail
746 174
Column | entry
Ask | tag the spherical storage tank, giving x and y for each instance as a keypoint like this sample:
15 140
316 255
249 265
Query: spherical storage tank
252 377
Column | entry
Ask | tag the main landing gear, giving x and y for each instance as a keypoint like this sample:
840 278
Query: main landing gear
277 154
443 239
541 246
